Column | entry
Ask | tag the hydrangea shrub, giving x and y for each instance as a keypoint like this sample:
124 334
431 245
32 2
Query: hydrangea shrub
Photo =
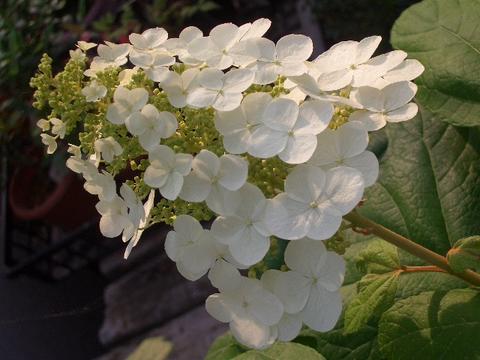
251 137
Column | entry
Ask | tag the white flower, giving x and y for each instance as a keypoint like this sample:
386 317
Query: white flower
311 288
179 46
166 170
237 125
114 216
389 104
77 55
50 142
214 179
244 231
191 247
289 131
112 54
58 127
177 86
221 91
407 70
246 305
346 146
101 184
96 66
339 64
43 124
94 91
121 215
85 46
154 64
314 202
126 102
286 58
147 208
149 40
108 147
150 125
215 48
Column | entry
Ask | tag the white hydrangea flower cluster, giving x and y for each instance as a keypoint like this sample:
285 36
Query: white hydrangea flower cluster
318 126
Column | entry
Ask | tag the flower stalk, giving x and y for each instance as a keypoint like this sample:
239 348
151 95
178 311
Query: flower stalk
411 247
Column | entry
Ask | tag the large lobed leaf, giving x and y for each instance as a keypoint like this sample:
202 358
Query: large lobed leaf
445 36
432 325
429 184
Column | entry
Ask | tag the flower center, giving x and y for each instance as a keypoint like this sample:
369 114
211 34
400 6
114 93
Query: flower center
313 204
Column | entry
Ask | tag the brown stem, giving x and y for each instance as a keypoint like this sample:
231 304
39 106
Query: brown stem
429 268
411 247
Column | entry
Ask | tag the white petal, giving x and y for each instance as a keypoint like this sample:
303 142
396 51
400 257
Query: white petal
224 35
228 229
265 72
265 142
258 29
262 304
203 48
254 105
339 56
335 80
408 70
250 248
366 48
322 310
398 94
156 177
206 163
227 101
367 163
172 186
332 273
370 120
344 188
190 33
201 97
305 183
218 307
211 79
314 117
305 256
233 172
406 112
195 188
220 200
250 332
293 289
294 47
299 149
281 114
117 114
289 327
183 163
238 80
149 139
230 122
187 228
324 223
287 218
136 123
224 276
370 98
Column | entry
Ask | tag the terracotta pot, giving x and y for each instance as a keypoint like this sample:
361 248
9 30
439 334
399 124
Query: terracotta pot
65 204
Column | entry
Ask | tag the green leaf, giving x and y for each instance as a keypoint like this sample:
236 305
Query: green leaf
336 345
155 348
282 351
371 301
429 184
433 325
465 254
378 257
224 348
414 283
445 37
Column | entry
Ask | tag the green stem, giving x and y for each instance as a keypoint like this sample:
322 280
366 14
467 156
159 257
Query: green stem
411 247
